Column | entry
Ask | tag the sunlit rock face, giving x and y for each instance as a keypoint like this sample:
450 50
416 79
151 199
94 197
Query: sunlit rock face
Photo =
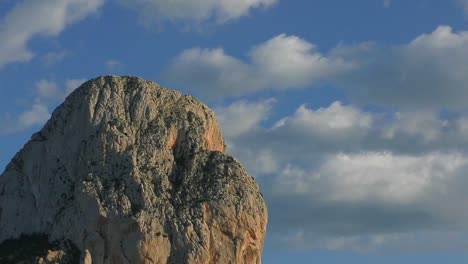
131 172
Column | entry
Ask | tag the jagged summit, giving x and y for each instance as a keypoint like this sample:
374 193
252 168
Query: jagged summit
130 172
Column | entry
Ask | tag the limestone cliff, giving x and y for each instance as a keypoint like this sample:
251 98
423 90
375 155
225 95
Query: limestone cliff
131 172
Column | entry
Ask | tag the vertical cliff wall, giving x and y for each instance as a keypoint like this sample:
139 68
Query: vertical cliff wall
131 172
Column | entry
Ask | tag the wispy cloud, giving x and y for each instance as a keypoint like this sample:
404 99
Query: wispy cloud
464 5
194 11
114 65
283 62
54 57
47 94
29 19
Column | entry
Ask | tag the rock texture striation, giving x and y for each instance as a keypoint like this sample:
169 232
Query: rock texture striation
131 172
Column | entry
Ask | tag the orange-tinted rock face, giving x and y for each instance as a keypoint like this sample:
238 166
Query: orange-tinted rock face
131 172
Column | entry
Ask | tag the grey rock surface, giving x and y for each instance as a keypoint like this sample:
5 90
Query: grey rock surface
132 172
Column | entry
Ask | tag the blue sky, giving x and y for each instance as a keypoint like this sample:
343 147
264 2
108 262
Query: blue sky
351 114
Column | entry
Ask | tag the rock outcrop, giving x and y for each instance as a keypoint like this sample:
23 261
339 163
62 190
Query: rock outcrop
131 172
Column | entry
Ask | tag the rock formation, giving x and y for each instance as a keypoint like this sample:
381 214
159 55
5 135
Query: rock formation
131 172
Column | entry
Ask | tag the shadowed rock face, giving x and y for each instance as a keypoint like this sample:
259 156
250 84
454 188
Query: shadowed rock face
37 249
131 172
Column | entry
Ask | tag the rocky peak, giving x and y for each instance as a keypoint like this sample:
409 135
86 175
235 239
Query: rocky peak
131 172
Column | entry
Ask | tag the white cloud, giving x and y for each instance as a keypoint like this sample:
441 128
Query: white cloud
219 11
29 19
211 72
411 242
242 116
48 89
47 95
371 199
260 161
347 128
441 38
426 125
339 177
365 196
334 119
427 73
283 62
289 61
374 176
37 115
71 85
48 18
340 128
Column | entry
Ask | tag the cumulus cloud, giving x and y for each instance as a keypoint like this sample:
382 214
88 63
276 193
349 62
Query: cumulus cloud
283 62
194 11
37 115
242 116
347 128
29 19
373 176
289 61
425 125
339 177
429 72
364 196
212 72
337 118
47 94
